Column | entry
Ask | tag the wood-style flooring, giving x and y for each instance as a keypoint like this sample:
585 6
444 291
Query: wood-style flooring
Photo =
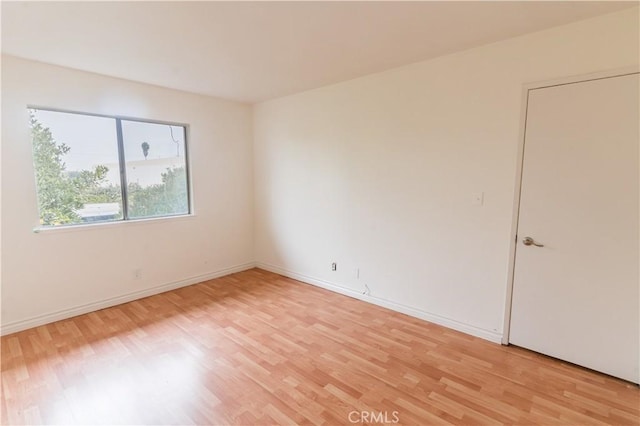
257 348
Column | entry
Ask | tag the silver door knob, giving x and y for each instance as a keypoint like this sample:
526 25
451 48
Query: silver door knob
528 241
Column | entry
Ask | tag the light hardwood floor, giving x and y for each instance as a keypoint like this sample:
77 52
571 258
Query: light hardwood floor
258 348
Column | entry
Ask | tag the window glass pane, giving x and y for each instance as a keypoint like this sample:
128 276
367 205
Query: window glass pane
76 166
156 169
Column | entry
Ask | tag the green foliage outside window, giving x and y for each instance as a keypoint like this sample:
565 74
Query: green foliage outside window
60 194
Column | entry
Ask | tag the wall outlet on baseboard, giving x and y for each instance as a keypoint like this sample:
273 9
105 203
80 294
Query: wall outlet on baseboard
334 266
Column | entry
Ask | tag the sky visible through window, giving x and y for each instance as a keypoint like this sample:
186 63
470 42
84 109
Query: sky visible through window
93 141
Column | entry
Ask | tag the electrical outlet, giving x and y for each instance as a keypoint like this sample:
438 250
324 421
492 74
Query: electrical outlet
334 266
136 274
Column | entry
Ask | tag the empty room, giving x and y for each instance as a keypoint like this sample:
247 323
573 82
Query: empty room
317 212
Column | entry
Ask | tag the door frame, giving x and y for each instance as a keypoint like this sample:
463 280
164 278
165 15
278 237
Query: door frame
526 88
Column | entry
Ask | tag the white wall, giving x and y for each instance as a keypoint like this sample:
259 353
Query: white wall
378 173
54 274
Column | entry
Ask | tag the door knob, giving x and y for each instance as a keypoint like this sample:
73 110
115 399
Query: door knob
528 241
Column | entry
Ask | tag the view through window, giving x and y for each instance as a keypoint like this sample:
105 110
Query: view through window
95 169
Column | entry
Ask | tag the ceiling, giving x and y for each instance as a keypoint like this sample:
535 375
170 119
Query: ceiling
254 51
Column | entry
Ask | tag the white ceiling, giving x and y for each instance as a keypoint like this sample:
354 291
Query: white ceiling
253 51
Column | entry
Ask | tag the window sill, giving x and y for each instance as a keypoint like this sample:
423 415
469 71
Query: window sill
105 225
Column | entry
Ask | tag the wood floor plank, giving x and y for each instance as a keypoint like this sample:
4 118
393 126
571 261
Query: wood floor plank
257 348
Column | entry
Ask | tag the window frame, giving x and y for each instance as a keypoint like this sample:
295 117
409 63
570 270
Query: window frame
123 168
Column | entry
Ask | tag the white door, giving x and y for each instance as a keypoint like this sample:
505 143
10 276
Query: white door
576 297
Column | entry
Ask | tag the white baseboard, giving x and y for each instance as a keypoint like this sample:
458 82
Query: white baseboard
39 320
489 335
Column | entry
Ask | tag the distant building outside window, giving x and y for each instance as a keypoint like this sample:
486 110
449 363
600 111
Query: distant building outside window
92 168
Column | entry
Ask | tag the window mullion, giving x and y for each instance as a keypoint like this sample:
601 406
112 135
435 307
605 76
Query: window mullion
123 171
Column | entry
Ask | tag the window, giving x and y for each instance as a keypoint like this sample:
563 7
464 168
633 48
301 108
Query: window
93 168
